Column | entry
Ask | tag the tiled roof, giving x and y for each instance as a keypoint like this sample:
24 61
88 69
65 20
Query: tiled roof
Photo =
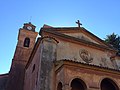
91 65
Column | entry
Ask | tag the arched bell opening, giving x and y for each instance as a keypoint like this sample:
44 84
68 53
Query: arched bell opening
27 42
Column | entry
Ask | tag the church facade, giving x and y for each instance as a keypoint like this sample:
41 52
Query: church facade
62 58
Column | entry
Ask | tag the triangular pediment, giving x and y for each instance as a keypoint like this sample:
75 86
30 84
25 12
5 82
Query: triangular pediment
78 44
83 36
82 33
79 33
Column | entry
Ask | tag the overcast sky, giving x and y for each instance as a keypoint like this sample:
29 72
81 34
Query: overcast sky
101 17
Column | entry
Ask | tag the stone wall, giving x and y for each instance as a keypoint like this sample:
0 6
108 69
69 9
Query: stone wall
47 75
3 80
16 76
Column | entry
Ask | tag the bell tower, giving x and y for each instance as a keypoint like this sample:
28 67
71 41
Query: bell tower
26 42
25 45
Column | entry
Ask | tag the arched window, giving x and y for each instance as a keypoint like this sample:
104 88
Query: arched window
26 42
59 87
78 84
108 84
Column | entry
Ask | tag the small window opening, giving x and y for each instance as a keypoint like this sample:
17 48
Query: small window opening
59 87
26 42
33 68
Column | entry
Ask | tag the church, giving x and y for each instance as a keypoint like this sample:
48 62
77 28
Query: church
61 58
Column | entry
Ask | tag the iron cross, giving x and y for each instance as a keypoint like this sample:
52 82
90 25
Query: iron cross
78 22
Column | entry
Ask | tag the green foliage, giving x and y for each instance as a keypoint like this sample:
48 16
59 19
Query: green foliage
114 40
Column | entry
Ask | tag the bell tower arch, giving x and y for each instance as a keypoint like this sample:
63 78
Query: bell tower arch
26 41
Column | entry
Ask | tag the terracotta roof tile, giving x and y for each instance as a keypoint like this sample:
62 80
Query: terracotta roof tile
92 65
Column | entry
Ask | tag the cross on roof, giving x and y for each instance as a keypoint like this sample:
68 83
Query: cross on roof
78 22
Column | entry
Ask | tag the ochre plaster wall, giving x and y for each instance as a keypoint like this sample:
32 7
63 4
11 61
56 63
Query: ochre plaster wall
31 73
90 77
71 51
